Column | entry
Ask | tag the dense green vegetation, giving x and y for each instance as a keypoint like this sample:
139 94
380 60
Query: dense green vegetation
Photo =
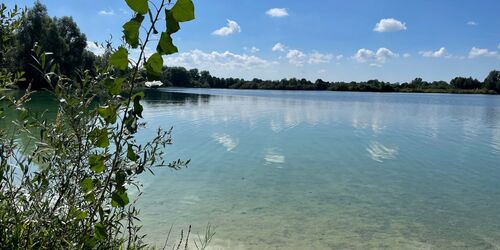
181 77
59 36
68 179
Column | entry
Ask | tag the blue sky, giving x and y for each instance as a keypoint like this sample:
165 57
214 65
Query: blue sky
335 40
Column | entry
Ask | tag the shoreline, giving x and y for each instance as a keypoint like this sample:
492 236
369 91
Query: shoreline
408 91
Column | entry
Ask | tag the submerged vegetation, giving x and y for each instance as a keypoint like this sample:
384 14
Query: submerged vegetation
72 181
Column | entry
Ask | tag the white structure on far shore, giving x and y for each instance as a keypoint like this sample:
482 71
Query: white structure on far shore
153 84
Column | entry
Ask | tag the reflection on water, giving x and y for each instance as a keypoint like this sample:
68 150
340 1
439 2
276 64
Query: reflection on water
273 157
226 141
322 170
379 152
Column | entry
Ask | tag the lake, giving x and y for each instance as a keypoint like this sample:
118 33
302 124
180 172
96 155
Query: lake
327 170
324 170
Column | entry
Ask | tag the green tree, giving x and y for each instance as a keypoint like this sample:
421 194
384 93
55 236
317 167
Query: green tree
466 83
321 85
60 36
492 81
177 76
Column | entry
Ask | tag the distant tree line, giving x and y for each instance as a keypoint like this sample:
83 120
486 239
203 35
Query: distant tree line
181 77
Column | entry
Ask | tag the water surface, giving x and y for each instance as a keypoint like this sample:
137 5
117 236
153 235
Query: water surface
328 170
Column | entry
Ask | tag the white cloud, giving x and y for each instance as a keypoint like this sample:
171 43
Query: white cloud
381 56
406 55
389 25
216 60
498 46
442 52
277 12
296 57
253 49
317 58
299 58
106 13
280 47
94 48
472 23
478 52
231 28
339 57
364 55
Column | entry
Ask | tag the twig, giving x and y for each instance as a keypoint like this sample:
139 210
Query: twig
180 242
168 236
187 238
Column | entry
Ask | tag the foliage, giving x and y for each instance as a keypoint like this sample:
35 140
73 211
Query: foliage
70 185
60 36
181 77
466 83
492 81
10 22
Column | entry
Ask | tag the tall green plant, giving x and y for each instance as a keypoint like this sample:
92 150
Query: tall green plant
70 188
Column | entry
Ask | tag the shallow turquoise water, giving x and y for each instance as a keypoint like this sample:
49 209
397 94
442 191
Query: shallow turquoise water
327 170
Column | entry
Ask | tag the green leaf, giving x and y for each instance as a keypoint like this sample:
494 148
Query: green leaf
120 177
99 137
23 114
137 104
165 45
87 184
172 24
89 196
80 215
100 232
131 122
131 155
96 163
139 6
154 66
119 59
114 85
183 10
119 198
131 30
108 113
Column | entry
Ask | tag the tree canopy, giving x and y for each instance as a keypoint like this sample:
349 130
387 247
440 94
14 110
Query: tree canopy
60 36
182 77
